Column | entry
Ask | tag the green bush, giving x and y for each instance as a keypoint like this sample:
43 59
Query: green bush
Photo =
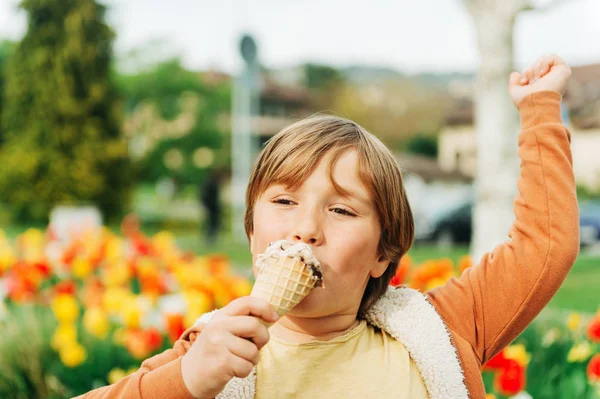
61 116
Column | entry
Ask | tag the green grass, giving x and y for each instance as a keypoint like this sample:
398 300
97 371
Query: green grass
581 289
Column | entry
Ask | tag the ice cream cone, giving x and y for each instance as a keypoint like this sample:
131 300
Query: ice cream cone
284 282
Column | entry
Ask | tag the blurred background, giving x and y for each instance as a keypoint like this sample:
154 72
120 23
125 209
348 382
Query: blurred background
128 129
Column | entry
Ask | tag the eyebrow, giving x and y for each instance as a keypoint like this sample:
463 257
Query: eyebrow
353 194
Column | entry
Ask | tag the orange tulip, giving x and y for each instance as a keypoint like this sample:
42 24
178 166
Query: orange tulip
464 263
175 325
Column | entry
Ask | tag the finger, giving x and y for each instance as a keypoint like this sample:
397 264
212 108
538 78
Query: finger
241 367
515 79
524 80
534 71
243 348
545 65
250 306
529 75
248 327
554 59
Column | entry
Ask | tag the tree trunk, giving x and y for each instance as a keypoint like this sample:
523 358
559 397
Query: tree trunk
496 123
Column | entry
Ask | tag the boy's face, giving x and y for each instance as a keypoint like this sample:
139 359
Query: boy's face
343 233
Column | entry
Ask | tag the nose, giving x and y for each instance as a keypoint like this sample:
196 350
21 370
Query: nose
308 229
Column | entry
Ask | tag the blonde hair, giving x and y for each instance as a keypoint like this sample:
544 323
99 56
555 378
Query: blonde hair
291 155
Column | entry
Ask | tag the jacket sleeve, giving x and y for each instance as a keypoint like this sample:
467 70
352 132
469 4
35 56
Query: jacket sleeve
493 302
159 377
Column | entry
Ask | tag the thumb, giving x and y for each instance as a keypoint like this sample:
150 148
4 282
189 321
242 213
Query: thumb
515 79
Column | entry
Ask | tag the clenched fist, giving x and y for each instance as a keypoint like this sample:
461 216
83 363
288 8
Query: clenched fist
227 347
547 73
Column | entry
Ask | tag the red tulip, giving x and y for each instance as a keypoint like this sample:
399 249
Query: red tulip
593 330
498 362
593 369
65 287
395 281
154 338
511 379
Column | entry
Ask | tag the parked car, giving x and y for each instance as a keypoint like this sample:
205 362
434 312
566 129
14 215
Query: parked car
589 222
455 226
451 227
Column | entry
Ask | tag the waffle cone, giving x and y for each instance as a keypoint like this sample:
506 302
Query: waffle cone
284 283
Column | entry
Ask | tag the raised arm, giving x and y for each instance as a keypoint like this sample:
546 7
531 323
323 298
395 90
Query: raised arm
493 302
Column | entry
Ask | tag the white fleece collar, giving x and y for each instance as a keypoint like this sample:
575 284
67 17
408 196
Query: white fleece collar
407 316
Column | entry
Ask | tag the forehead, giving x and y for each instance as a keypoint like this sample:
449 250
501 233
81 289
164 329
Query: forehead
343 168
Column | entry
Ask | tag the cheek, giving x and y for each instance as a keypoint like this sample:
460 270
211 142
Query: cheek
356 251
266 230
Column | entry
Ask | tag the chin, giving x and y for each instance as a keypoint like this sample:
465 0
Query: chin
312 305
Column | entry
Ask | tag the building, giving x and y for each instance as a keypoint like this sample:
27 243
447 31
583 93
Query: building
458 147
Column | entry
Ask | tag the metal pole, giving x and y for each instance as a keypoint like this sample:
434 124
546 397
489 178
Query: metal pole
243 144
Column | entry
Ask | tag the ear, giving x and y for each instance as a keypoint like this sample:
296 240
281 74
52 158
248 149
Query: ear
380 267
251 243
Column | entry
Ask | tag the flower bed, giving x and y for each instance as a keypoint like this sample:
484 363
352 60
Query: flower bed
82 313
113 302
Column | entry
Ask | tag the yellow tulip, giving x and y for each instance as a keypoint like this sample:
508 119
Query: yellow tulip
517 353
114 249
115 375
241 287
573 321
116 274
580 352
81 268
146 266
65 308
64 334
189 319
96 322
435 282
7 257
164 241
33 238
72 355
198 302
114 297
131 314
119 336
490 396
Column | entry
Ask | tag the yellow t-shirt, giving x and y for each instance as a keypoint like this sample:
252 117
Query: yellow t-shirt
362 363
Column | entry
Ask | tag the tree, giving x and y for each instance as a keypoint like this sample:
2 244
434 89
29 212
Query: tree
322 76
5 50
495 119
173 113
62 115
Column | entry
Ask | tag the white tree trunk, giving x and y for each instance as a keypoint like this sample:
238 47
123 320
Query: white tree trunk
496 122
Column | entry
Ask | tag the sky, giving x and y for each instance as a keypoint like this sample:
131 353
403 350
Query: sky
409 36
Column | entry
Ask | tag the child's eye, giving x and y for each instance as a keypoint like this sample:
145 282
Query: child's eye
343 211
282 201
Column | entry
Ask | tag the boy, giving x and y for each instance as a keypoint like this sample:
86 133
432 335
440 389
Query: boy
327 182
